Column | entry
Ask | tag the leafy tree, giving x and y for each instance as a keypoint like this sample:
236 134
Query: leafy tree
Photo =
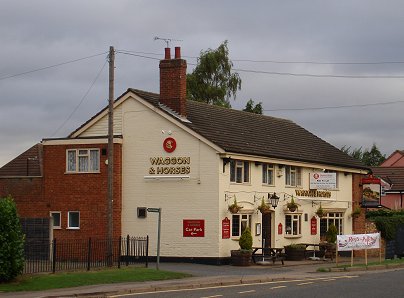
257 109
371 158
212 80
11 241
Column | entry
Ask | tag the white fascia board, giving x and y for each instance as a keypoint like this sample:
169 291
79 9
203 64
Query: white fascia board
102 114
315 166
79 141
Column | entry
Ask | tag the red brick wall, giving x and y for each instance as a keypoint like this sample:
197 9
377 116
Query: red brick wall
360 224
27 194
84 192
173 86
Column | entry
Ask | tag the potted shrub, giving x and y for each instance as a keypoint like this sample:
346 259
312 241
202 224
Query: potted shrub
292 206
264 207
234 208
295 252
242 256
330 246
320 211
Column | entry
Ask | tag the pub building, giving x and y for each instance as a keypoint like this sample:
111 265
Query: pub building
193 160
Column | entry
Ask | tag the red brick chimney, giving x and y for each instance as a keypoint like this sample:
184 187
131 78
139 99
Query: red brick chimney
173 82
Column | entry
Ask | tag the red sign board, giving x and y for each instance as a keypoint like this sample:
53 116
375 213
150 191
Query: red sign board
280 229
225 228
193 228
313 225
169 145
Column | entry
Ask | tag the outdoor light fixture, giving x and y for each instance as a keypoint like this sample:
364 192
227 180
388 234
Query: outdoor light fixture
274 199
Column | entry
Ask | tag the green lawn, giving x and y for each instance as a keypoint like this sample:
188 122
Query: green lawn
76 279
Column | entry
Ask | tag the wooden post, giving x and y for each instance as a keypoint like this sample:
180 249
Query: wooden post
110 153
351 258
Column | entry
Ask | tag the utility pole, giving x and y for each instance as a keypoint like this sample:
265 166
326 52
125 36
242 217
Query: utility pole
110 153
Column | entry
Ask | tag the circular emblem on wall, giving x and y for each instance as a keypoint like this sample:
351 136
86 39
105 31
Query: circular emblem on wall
169 145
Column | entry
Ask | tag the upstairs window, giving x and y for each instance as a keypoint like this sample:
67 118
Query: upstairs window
83 160
239 171
73 220
56 217
293 176
268 174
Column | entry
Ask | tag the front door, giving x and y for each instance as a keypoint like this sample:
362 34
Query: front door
266 229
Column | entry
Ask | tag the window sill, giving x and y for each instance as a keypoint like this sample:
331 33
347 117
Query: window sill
75 173
292 236
268 185
57 228
240 183
73 228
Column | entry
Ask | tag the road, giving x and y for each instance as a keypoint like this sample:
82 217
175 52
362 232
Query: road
378 284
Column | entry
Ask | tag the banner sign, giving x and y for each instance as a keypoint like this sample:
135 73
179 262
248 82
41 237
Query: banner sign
358 241
371 192
320 180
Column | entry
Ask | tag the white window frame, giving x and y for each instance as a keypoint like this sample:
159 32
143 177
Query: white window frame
83 155
293 176
268 171
295 227
53 222
237 220
241 167
68 221
332 218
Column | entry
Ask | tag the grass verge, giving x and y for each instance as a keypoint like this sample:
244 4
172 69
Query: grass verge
77 279
362 264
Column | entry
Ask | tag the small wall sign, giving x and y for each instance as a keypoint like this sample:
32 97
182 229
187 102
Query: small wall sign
280 229
313 225
169 145
193 228
225 228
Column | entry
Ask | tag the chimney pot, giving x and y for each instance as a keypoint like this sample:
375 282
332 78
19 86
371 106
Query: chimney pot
177 53
167 53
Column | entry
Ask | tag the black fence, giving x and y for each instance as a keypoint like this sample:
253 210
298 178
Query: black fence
64 255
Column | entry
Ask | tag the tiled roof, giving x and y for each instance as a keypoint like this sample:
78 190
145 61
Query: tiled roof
27 164
247 133
392 175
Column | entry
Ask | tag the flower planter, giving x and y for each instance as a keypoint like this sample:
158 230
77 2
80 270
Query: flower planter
294 253
241 257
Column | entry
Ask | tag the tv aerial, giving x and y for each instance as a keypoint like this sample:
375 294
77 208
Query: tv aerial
167 40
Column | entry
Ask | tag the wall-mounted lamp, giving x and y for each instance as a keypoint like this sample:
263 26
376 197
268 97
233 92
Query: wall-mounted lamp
274 200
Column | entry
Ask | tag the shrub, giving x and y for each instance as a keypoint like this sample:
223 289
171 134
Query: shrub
296 246
11 241
246 240
332 232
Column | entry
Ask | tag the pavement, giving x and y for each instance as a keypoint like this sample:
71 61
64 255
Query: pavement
211 275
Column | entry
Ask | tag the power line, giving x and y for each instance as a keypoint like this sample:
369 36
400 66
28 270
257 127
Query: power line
318 75
50 66
336 107
82 99
284 61
286 73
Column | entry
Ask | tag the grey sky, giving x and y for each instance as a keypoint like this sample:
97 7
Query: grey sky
35 34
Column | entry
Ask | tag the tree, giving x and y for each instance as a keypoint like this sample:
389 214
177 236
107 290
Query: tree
257 109
212 80
11 241
371 158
